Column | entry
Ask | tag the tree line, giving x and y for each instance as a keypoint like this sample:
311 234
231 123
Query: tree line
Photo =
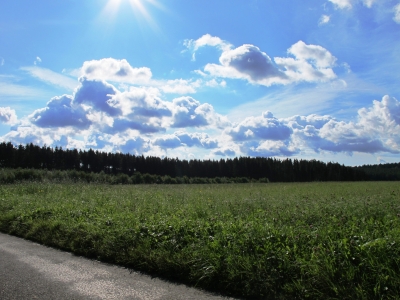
388 171
253 168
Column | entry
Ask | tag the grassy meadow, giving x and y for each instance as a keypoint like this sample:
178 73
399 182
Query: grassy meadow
254 241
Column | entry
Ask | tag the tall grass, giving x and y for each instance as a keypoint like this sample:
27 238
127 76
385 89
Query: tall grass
274 241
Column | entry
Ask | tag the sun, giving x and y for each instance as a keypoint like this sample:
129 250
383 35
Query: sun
139 8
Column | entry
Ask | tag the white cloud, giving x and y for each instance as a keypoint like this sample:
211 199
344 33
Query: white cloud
197 139
188 112
348 4
265 127
138 120
369 3
140 102
121 71
115 70
97 94
206 40
314 120
324 20
226 151
382 119
342 4
105 117
60 112
215 83
37 61
247 62
8 115
311 63
51 77
169 141
2 61
25 134
269 148
181 86
376 130
396 10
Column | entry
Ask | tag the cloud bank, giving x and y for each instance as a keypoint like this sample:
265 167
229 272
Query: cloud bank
305 63
99 116
139 118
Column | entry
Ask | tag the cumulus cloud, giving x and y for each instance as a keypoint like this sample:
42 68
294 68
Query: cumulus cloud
120 71
188 112
376 130
225 152
396 10
310 63
100 116
60 112
170 141
8 115
180 86
96 94
110 69
29 133
349 137
197 139
247 62
206 40
302 121
379 122
139 120
268 148
215 83
136 145
140 102
123 124
265 127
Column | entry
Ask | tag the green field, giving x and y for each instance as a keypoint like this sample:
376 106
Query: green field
275 241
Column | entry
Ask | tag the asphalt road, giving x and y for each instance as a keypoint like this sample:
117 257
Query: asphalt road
32 271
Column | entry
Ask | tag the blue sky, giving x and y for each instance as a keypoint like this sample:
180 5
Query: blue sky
204 79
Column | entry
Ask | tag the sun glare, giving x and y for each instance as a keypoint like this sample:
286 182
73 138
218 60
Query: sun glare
138 7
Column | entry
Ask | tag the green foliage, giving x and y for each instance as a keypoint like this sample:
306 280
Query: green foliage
257 241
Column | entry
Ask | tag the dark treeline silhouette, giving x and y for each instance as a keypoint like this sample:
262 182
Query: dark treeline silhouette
36 157
390 171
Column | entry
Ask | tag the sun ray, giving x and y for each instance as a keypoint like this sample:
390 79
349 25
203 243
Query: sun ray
111 9
139 8
141 12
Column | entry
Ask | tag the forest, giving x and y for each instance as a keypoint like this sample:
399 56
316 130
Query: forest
32 156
